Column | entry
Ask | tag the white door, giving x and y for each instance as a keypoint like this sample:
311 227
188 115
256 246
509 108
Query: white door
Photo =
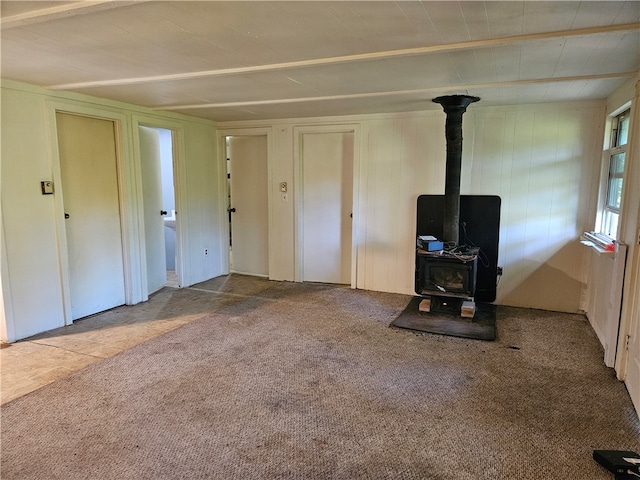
249 205
632 378
327 202
154 211
87 148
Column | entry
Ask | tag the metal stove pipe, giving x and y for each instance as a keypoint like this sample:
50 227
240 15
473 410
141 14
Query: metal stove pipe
454 106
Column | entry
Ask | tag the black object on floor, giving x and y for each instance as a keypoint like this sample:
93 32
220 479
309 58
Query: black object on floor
622 463
444 321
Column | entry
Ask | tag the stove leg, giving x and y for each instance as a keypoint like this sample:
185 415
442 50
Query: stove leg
468 309
425 305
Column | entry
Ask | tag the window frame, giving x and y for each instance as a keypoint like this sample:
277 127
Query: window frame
607 223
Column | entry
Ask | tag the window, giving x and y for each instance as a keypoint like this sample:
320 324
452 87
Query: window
613 195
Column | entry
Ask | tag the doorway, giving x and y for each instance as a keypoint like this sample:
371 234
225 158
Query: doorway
247 175
327 206
628 352
158 195
89 176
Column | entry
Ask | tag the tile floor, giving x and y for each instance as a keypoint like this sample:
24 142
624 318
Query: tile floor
44 358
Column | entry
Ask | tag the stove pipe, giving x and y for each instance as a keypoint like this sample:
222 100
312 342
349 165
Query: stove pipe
454 106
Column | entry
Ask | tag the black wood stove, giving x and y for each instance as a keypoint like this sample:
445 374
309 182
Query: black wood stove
454 270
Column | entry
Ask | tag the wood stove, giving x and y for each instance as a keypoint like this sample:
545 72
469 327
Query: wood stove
456 250
449 270
480 228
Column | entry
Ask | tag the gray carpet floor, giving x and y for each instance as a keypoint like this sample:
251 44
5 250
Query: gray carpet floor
281 381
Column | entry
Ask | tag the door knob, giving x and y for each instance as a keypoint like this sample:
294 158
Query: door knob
163 212
231 210
66 215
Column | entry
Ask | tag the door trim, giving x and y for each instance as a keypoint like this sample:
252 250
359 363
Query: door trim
630 228
630 304
126 196
180 192
298 132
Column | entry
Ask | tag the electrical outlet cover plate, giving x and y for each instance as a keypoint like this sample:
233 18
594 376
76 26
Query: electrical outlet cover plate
47 187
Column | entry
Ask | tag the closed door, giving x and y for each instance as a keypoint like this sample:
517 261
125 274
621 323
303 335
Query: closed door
154 211
249 205
87 148
327 202
632 379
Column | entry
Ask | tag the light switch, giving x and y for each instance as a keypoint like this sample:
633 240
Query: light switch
283 187
47 187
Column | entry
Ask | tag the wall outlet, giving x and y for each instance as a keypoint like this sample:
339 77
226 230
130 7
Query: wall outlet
206 252
46 187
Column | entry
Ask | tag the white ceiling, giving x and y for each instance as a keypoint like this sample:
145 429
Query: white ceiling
254 60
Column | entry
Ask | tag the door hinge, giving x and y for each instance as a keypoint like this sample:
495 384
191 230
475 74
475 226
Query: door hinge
626 343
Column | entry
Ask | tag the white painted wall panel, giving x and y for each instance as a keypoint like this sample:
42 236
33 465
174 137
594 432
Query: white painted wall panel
202 194
541 161
402 158
606 274
33 284
282 227
30 258
380 192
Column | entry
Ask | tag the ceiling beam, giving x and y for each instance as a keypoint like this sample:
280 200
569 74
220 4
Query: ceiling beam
491 42
419 91
65 10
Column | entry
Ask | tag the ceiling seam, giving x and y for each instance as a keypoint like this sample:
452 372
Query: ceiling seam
487 43
62 12
394 92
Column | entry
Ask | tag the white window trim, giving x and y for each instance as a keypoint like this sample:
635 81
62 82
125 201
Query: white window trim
604 172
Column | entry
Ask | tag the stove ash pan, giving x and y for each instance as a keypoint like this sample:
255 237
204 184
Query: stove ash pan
447 274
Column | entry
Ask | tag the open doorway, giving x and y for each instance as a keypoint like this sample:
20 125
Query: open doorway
158 192
248 204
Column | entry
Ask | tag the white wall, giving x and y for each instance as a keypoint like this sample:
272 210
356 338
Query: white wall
203 218
32 286
543 160
603 297
32 291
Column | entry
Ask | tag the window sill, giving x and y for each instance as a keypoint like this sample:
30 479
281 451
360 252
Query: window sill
588 241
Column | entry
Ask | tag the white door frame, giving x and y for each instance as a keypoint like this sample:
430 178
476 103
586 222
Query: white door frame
298 210
179 178
631 305
225 261
630 228
126 199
